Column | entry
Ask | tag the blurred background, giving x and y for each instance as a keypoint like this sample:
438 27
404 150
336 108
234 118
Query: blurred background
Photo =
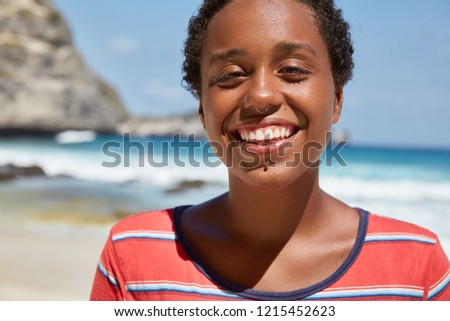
76 75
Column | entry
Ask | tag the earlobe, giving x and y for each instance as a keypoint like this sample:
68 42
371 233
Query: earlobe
337 107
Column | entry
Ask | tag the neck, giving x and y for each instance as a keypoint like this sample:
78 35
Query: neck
272 216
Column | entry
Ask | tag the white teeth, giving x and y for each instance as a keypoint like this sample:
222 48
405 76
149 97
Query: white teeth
268 134
259 134
265 134
277 133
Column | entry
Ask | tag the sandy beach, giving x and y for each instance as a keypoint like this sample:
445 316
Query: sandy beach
48 261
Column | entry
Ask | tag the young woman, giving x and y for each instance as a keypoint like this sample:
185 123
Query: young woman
269 76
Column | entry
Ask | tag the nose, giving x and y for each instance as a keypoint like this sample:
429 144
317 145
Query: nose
263 92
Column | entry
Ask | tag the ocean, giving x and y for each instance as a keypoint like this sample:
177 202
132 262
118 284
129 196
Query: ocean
93 177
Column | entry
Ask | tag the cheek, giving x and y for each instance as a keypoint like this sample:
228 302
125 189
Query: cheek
320 124
213 116
215 120
315 102
219 108
323 95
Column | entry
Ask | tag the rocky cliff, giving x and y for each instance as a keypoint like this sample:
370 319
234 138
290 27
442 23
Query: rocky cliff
44 83
185 124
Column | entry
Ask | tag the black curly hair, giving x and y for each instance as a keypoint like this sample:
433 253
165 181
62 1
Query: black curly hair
331 24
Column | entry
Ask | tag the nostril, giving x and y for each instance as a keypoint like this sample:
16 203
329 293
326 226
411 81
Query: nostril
259 110
263 111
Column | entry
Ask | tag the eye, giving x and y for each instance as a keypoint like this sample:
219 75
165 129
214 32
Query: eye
293 74
230 79
230 76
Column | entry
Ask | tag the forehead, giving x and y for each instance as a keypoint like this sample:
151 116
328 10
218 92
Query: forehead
243 22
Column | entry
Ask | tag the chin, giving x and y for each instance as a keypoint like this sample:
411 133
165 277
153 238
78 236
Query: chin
271 178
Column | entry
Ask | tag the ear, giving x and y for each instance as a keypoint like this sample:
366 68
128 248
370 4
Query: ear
337 106
201 114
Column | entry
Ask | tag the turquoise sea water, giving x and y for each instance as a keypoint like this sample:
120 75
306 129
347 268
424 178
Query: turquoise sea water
408 184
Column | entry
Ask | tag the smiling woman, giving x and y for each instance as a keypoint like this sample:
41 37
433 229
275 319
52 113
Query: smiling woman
270 86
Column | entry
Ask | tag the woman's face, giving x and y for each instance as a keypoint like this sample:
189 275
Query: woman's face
267 91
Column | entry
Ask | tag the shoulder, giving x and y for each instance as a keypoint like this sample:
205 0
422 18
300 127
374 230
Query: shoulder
398 261
399 246
144 236
151 220
388 228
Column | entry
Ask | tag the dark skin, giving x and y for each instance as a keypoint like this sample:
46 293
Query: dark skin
275 230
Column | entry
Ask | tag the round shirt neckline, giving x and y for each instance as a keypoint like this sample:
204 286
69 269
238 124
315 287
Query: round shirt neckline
298 294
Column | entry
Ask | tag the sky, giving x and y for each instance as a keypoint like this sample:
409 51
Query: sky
399 95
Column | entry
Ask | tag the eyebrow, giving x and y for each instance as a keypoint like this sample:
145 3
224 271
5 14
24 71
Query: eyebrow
230 53
291 46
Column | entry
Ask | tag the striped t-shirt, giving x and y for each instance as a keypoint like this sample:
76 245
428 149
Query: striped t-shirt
147 258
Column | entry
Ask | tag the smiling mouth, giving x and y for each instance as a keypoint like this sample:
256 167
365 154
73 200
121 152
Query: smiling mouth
267 134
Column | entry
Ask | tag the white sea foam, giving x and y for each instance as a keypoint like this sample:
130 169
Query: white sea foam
75 136
88 167
405 190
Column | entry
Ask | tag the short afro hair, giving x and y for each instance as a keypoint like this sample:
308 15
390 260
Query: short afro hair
330 22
